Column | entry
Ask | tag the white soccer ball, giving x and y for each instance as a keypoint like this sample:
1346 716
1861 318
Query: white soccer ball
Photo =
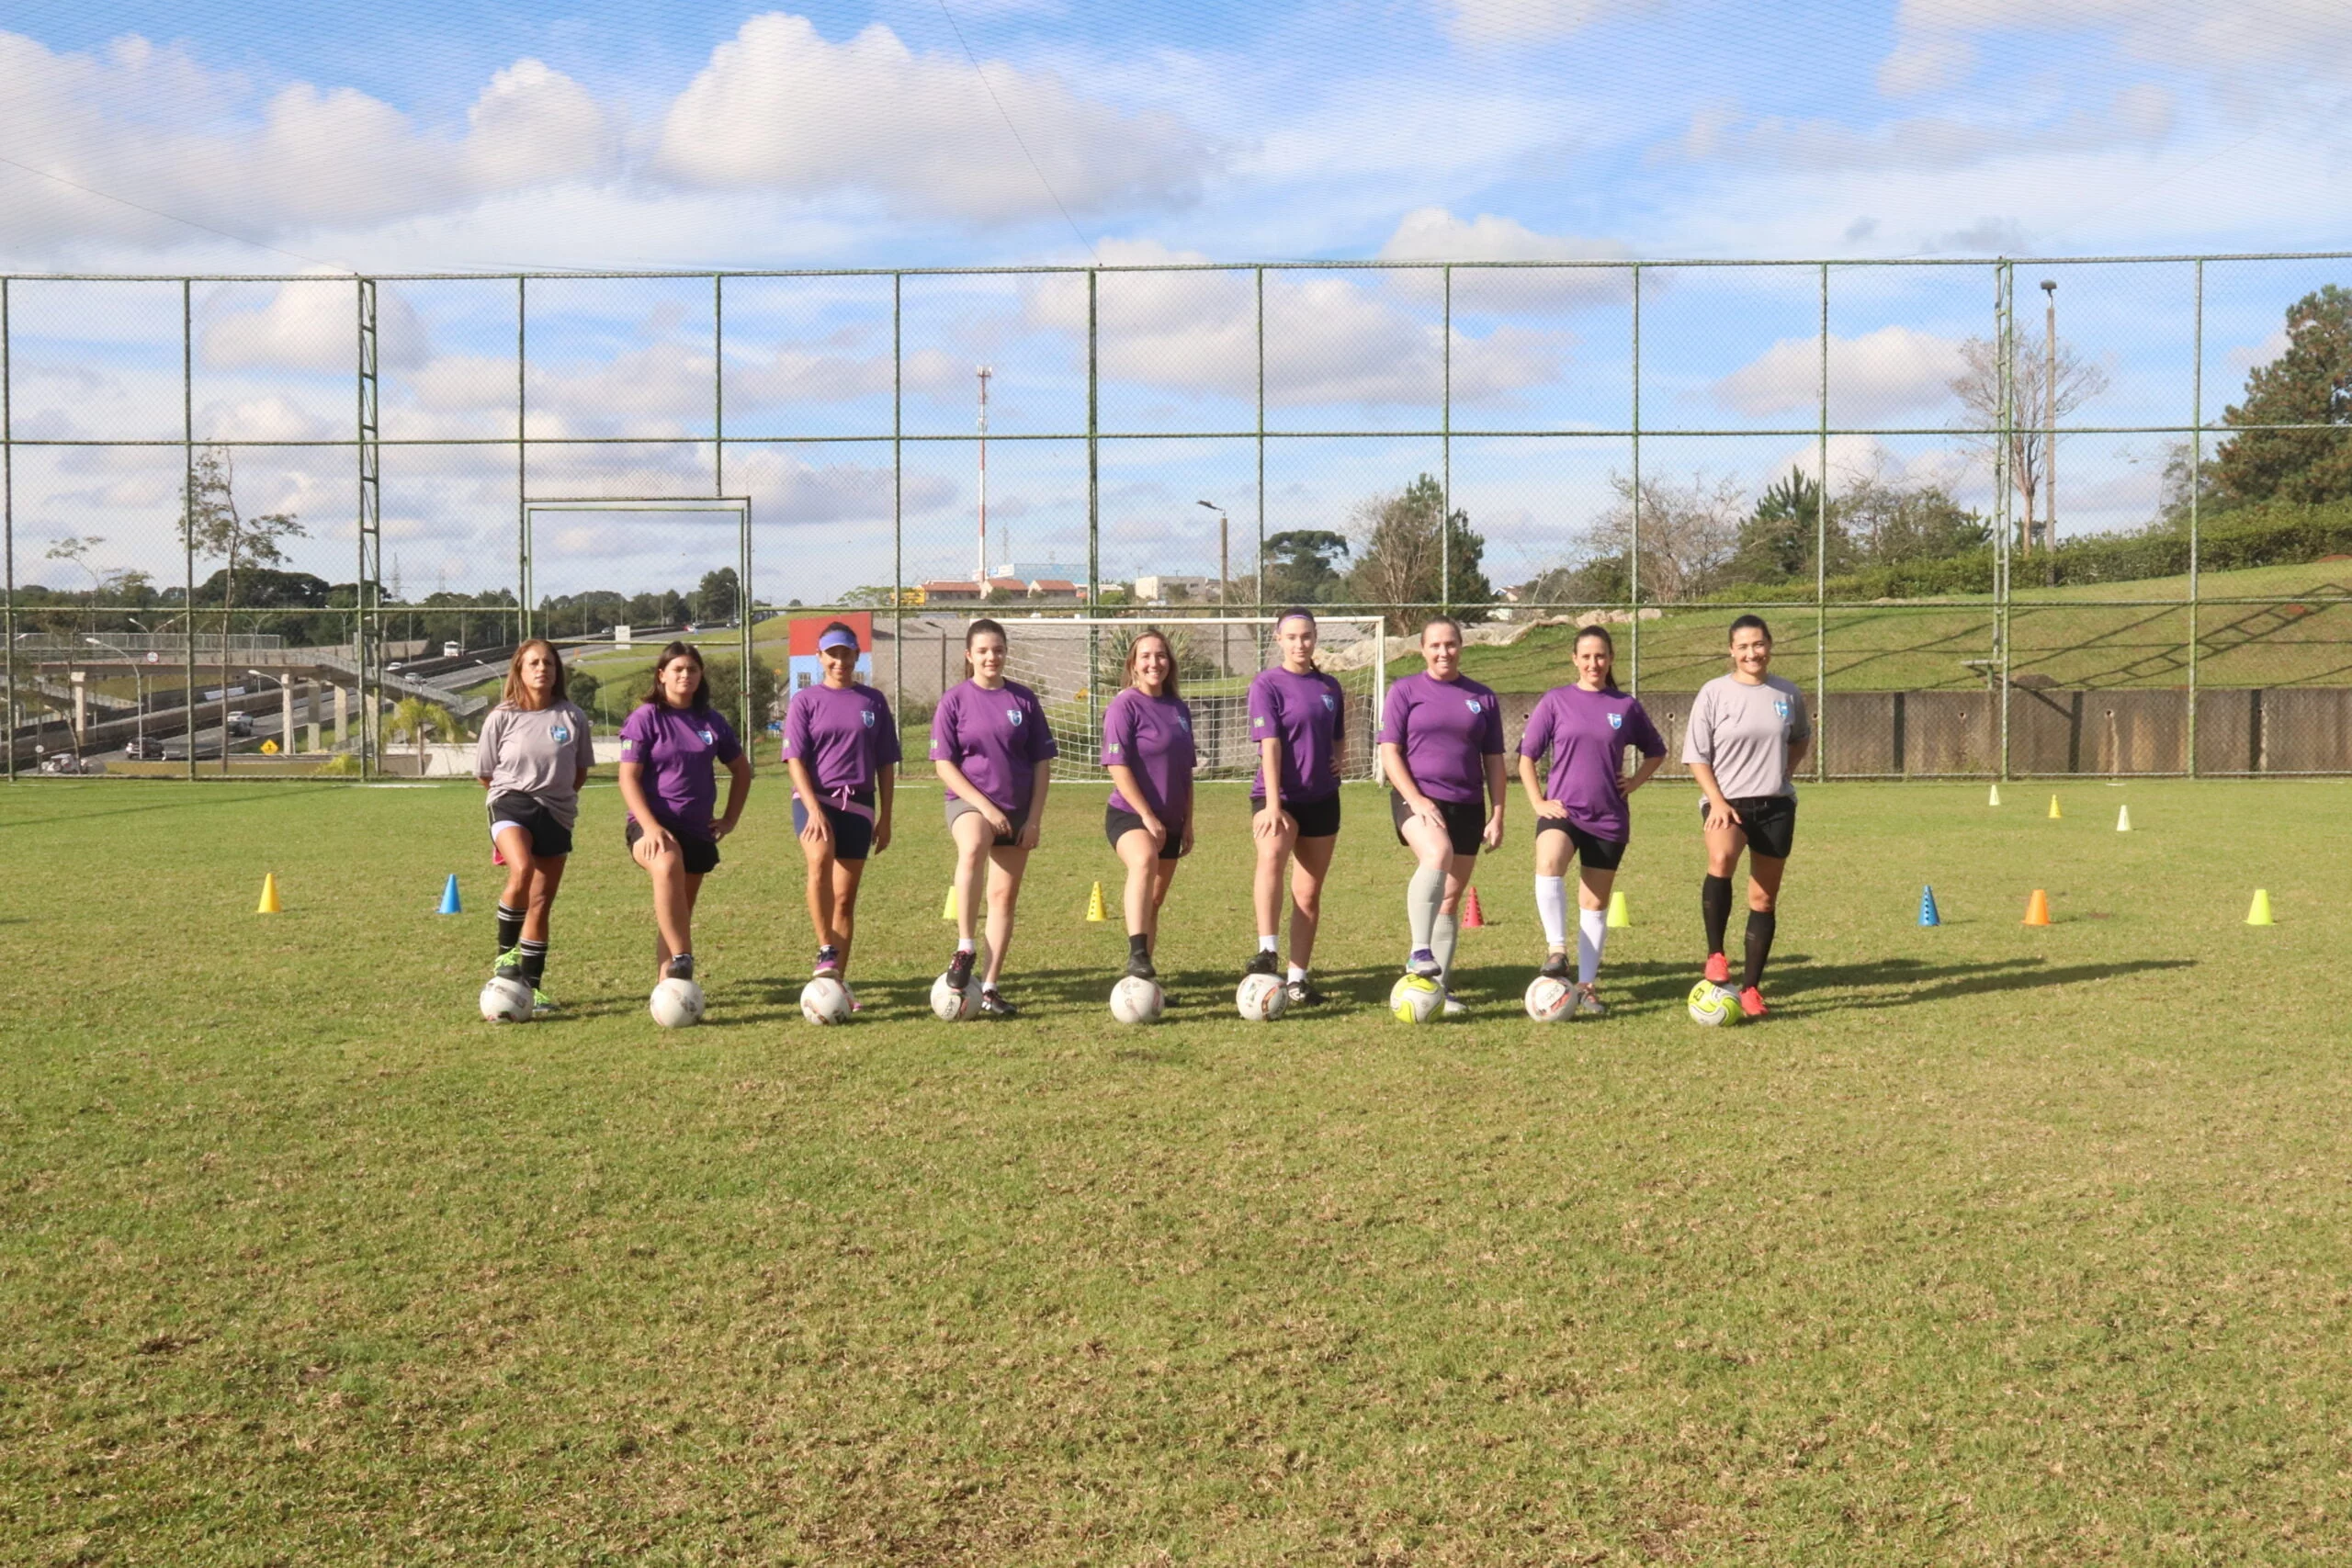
824 1000
952 1005
506 1001
1548 1000
676 1004
1714 1006
1415 999
1261 998
1137 1000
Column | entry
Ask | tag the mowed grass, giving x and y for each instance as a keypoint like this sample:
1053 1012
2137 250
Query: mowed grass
1993 1245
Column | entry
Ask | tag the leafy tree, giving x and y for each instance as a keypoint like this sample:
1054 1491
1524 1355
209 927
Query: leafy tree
1302 566
1776 541
413 717
717 599
1410 552
2310 383
2037 401
216 528
1882 522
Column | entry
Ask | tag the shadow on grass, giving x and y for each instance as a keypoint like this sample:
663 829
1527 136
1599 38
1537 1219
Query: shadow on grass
1796 984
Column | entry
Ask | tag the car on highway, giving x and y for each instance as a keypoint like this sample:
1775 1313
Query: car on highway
451 650
143 748
240 724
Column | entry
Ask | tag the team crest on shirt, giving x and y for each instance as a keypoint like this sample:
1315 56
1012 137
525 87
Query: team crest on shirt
1472 703
1261 720
1781 706
628 746
1184 723
1013 715
709 736
1329 704
867 715
1616 721
561 733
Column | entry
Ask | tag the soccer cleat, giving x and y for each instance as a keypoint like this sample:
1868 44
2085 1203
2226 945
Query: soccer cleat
1262 963
1718 968
854 1005
1751 1002
680 968
542 1005
510 964
1455 1007
1302 994
959 968
1587 1003
993 1005
1556 967
1424 964
1139 967
828 962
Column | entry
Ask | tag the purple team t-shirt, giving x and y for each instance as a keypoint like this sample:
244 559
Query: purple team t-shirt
1586 733
1308 713
676 749
1153 737
844 734
996 737
1447 730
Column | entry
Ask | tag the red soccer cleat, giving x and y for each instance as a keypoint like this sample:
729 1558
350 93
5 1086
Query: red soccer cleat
1718 968
1751 1002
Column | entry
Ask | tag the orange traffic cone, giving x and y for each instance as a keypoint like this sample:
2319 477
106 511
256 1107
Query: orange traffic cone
1471 915
2037 908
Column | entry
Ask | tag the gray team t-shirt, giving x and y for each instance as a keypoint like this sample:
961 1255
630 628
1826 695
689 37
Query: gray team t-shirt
1745 732
536 751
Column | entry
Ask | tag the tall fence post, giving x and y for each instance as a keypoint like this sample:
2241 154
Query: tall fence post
1259 274
2196 484
1634 537
897 504
8 511
188 524
1821 558
522 462
1445 454
1094 506
367 650
2003 456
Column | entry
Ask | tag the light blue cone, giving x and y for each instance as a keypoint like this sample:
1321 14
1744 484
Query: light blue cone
1927 915
449 905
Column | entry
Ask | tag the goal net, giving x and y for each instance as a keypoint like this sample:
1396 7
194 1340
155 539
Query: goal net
1077 665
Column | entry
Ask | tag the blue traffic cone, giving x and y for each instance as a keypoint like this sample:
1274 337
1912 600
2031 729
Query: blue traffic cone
449 905
1927 915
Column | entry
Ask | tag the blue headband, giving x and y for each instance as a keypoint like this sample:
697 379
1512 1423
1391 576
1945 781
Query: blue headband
840 636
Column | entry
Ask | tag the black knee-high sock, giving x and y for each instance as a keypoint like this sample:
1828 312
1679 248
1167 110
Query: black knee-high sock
509 929
1762 925
535 963
1715 902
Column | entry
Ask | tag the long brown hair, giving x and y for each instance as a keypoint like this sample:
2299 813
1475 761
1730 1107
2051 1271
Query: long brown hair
518 695
1608 642
1167 687
701 698
978 629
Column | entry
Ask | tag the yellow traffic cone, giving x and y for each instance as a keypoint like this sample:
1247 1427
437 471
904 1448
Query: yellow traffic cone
1621 917
269 903
2123 819
1995 800
947 911
2260 914
1095 910
2055 813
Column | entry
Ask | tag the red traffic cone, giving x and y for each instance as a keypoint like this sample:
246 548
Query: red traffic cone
1471 915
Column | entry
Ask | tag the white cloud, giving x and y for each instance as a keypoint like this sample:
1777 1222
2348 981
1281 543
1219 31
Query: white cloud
1523 21
1432 233
1925 62
314 326
778 108
2137 116
1893 370
2296 37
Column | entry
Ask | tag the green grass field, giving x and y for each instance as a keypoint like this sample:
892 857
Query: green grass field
1993 1244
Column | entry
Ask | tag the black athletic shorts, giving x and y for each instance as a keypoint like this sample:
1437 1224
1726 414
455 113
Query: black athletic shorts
958 807
1465 821
1315 819
702 854
852 830
1769 820
550 837
1594 854
1118 824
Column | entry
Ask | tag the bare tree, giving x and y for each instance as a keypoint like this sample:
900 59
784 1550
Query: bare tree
2038 402
1688 531
217 529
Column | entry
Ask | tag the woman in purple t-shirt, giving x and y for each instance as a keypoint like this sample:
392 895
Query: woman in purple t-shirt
668 782
995 754
1441 749
841 746
1147 747
1298 717
1580 811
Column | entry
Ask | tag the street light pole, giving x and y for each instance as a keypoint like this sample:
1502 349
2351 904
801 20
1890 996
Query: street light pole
1224 576
139 685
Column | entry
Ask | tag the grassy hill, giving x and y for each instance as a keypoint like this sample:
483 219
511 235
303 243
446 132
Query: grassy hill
2074 636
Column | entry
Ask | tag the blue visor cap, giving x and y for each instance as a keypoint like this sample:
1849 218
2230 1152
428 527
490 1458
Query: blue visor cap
840 637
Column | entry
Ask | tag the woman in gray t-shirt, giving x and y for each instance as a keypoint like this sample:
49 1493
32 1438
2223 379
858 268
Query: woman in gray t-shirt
533 757
1747 735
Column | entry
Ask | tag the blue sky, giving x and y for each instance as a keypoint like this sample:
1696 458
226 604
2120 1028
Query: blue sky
264 138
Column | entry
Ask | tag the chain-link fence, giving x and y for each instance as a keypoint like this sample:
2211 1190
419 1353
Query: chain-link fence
281 526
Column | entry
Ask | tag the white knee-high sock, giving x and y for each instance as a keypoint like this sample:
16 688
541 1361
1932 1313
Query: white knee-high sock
1422 896
1444 931
1592 935
1552 905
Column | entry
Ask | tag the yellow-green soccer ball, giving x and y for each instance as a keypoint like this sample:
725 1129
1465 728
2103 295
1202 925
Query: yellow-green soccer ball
1415 999
1713 1004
